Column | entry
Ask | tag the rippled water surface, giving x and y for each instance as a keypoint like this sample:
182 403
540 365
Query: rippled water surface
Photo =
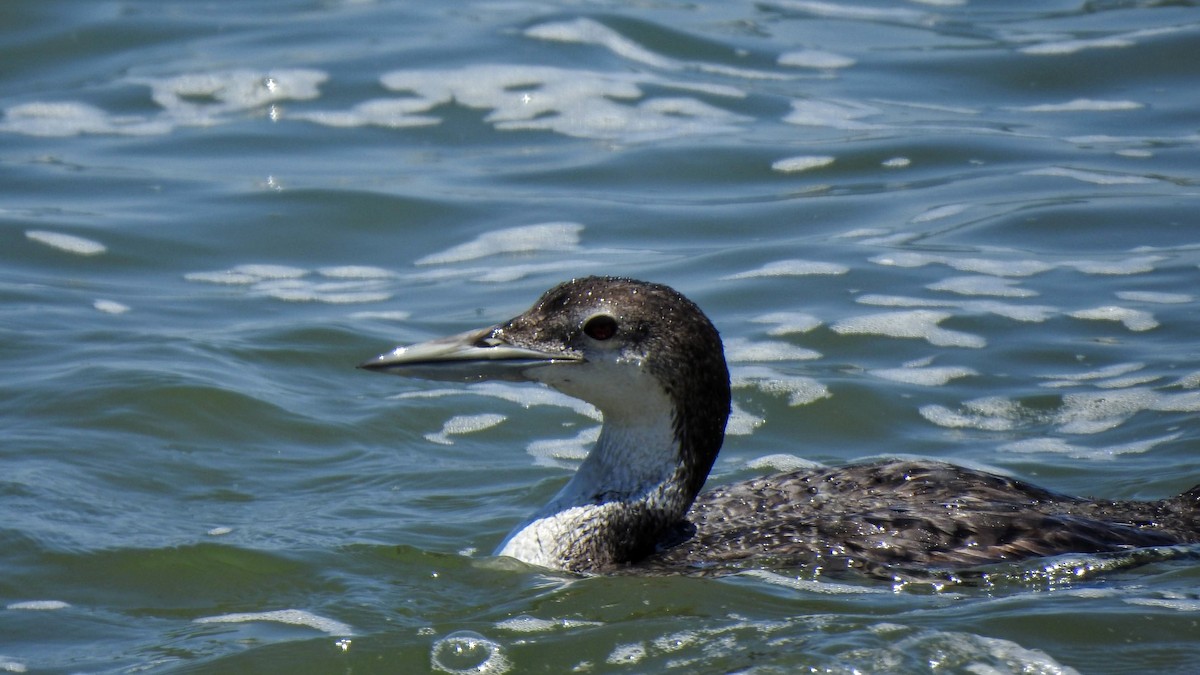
957 229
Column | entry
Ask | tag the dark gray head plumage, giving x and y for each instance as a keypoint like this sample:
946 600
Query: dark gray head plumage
678 345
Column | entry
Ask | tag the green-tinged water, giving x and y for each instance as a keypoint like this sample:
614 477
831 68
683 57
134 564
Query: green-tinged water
959 229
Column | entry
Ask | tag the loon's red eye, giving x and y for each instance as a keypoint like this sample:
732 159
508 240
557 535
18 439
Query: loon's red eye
600 327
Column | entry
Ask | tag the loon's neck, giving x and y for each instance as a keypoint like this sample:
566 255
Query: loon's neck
631 489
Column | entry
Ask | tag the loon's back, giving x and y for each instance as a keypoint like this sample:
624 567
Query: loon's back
913 514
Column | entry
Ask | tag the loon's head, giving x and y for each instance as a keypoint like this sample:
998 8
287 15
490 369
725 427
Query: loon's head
620 344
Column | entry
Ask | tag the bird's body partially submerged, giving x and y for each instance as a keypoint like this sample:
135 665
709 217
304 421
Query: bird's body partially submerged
653 364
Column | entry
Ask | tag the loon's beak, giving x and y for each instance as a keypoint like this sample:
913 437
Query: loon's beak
467 357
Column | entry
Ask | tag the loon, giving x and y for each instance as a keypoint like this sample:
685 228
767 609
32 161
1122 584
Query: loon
653 364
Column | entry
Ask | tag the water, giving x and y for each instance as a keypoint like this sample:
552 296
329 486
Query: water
955 229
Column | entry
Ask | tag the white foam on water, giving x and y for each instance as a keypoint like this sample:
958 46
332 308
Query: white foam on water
1115 370
464 424
992 413
895 239
1029 313
38 605
1092 426
469 424
982 285
223 277
800 390
1080 412
781 463
895 163
1094 412
110 307
355 272
1106 139
502 274
556 236
263 271
338 285
1189 381
814 58
531 624
788 323
627 654
977 654
1088 592
70 118
11 666
386 315
832 114
390 113
992 267
652 119
741 422
863 233
203 98
1083 104
1058 48
1001 268
791 268
929 377
1093 177
66 242
1057 446
940 212
295 617
524 396
564 452
919 323
1177 604
906 260
810 585
673 642
578 103
1157 298
1127 382
802 163
1134 319
219 531
744 73
1183 402
1135 265
849 11
190 99
285 289
334 294
934 107
741 350
587 31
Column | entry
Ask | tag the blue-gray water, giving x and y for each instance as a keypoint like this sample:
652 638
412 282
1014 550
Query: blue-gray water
959 229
